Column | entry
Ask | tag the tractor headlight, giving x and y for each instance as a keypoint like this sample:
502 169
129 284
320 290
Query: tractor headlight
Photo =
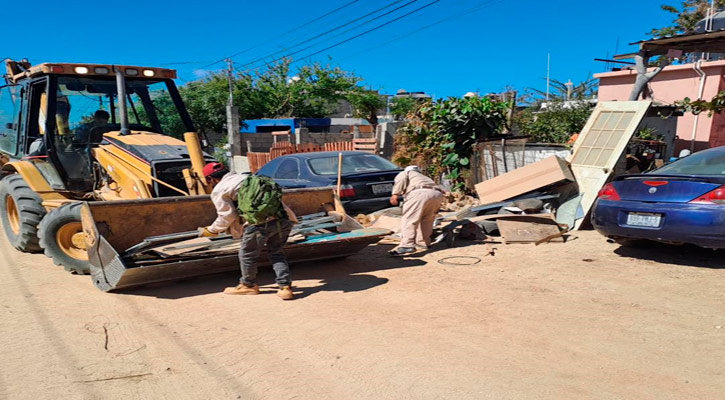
131 72
81 70
148 72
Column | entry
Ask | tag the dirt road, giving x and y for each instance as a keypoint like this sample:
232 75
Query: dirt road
585 319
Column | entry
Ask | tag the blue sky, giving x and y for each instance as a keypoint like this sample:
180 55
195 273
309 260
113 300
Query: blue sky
502 43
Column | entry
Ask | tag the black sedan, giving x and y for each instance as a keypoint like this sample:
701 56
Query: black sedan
367 179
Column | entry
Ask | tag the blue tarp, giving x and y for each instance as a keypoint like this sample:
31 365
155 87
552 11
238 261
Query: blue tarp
268 125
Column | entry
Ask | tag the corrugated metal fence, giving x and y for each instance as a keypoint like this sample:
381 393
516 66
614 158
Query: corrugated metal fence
494 158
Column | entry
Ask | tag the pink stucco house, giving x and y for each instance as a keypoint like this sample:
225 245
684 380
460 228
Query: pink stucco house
674 83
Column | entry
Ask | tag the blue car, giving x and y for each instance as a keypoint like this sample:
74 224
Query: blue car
367 179
682 202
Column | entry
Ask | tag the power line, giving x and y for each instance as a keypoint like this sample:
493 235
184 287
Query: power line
446 19
298 27
370 30
330 31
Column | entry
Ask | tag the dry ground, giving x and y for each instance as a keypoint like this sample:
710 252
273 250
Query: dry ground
585 319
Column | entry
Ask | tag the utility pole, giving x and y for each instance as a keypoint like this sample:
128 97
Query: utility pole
569 89
233 130
548 70
230 80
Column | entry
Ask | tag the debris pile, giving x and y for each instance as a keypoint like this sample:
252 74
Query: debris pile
458 201
542 201
185 245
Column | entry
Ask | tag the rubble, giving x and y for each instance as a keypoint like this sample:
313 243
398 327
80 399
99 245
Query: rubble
457 201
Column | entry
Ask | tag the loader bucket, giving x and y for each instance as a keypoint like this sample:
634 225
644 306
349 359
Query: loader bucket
114 227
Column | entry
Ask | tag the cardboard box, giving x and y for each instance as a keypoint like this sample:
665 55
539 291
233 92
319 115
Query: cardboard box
523 180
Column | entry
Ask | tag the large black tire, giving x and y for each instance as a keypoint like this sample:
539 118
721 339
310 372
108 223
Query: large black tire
61 237
21 211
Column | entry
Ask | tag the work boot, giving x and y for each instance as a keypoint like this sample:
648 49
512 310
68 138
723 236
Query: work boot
242 289
285 293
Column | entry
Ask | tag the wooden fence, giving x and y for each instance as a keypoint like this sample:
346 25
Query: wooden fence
257 160
337 146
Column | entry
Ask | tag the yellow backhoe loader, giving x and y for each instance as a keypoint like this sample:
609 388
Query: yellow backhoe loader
88 132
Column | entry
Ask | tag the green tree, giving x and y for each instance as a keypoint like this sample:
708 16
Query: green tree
206 100
272 93
559 91
440 135
400 107
314 92
554 124
715 105
366 104
319 89
687 15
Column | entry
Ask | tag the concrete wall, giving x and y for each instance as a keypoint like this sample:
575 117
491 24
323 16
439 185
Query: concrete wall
675 83
322 138
386 138
262 141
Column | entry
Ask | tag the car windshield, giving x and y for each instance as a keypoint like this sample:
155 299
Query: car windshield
702 163
351 164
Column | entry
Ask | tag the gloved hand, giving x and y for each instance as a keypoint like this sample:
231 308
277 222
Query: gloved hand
205 232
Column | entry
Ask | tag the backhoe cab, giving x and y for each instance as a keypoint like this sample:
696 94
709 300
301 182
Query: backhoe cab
73 132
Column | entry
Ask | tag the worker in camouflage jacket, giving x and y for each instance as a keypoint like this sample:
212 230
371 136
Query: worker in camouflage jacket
271 236
421 199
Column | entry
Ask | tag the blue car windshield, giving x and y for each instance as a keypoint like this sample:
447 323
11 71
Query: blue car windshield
702 163
351 164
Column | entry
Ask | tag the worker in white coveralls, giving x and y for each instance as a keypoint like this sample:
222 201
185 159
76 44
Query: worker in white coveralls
422 199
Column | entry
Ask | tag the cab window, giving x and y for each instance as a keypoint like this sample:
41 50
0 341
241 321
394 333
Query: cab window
9 118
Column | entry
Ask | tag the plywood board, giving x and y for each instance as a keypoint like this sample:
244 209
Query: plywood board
600 145
523 180
170 250
527 229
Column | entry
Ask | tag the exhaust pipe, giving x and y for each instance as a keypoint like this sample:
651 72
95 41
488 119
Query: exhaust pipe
122 106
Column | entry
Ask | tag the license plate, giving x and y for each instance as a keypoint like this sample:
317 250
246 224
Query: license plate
644 219
382 188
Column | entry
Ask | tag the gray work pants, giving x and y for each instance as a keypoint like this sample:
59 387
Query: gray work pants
274 235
